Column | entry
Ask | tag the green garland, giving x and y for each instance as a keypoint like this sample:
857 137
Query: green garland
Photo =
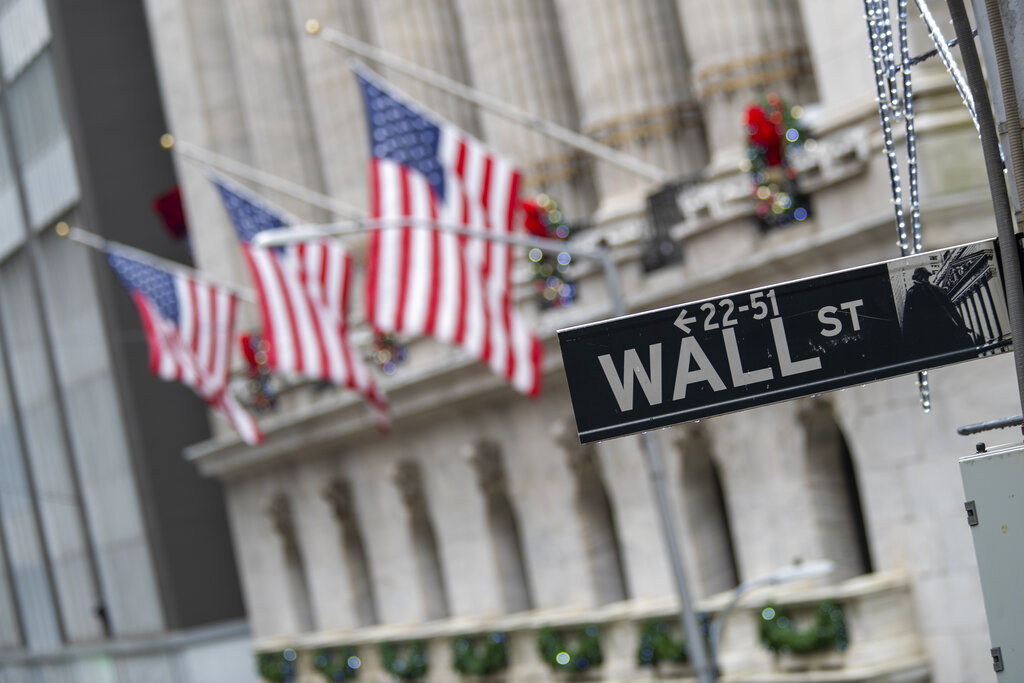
276 667
475 658
658 644
828 632
556 652
338 663
408 664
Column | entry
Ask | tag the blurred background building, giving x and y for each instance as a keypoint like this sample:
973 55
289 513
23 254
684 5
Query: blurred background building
115 556
479 518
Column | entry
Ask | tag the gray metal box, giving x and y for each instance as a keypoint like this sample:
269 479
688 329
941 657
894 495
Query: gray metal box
992 481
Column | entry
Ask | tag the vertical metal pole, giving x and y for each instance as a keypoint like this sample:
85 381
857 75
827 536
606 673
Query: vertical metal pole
1008 251
706 670
704 665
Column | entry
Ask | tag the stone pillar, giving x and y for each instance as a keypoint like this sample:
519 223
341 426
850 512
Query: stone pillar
502 525
597 519
279 511
631 72
409 481
516 54
834 494
425 32
275 106
705 513
338 494
203 106
739 50
334 97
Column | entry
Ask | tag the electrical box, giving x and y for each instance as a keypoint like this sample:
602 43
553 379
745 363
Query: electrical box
992 481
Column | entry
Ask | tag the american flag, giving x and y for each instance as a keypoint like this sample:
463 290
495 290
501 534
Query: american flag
423 281
190 328
303 294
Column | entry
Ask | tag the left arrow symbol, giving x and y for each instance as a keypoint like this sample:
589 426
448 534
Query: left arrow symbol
682 322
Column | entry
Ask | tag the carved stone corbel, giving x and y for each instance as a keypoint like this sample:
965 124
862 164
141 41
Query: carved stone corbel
410 484
338 494
279 509
581 457
485 457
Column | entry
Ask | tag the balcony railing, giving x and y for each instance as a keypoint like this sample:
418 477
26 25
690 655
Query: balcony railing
882 641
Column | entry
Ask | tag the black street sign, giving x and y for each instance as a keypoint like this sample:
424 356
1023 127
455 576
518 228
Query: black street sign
775 343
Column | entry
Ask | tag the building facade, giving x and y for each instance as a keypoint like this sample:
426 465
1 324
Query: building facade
480 513
115 560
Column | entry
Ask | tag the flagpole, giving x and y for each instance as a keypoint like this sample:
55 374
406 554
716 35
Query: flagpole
309 231
91 239
491 104
212 159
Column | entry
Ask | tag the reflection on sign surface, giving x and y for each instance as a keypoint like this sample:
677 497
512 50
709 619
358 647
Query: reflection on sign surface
746 349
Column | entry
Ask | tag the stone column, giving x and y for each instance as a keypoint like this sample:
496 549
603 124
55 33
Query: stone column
739 50
706 516
485 457
335 100
409 481
338 494
833 492
631 72
597 520
203 106
425 32
279 511
275 106
516 54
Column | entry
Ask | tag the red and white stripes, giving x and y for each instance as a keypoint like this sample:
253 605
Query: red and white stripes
423 281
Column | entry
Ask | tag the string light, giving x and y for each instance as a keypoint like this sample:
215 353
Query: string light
883 57
912 186
947 58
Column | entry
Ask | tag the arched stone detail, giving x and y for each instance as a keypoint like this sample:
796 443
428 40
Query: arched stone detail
502 524
596 515
338 494
706 512
833 487
408 479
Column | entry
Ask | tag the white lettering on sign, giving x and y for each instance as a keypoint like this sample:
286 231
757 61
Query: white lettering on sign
632 367
705 371
834 325
692 354
786 363
852 306
739 376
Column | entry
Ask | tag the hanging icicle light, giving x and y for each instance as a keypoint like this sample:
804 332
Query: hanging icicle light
890 106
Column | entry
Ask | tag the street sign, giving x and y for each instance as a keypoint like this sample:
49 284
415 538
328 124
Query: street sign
779 342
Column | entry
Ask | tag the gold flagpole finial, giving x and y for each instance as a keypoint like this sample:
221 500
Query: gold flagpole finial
62 229
312 27
167 141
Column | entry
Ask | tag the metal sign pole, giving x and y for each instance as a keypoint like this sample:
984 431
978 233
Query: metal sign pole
704 665
1008 249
